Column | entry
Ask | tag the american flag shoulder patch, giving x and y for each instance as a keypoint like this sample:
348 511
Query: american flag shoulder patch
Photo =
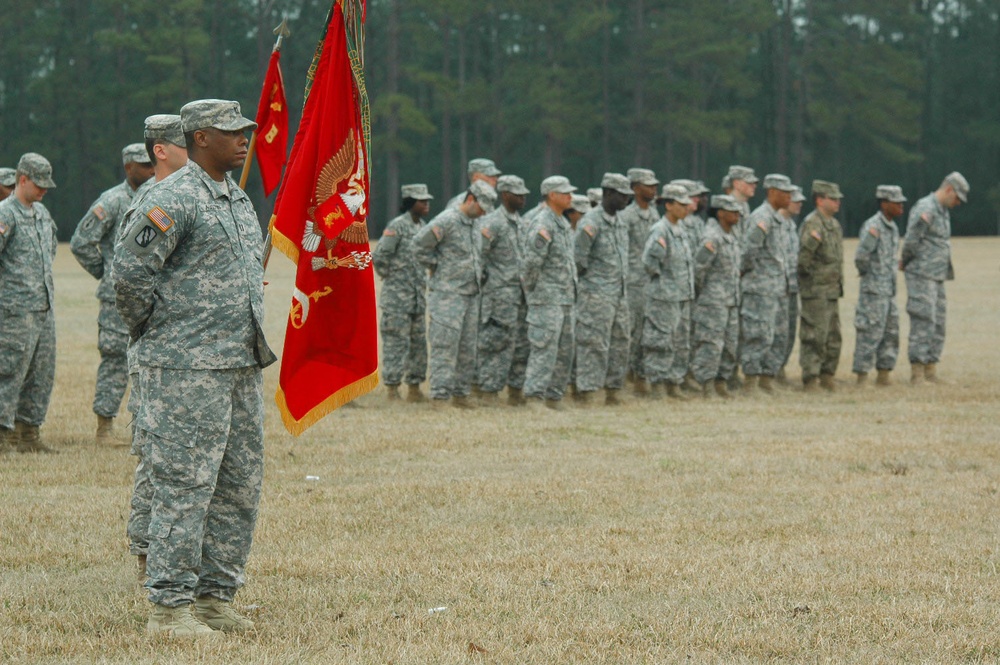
762 225
815 234
873 231
590 230
160 218
3 228
545 234
389 233
709 246
99 212
438 232
662 241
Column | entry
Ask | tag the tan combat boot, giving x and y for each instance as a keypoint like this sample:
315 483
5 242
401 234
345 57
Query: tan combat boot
827 383
641 387
611 397
690 385
105 432
930 373
439 404
488 399
862 379
707 389
655 391
29 440
766 383
750 384
781 379
515 397
582 398
810 385
883 378
140 561
555 404
179 623
392 393
722 389
219 615
463 402
413 394
916 374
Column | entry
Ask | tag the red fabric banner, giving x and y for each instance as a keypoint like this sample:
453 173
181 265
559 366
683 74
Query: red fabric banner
271 145
320 222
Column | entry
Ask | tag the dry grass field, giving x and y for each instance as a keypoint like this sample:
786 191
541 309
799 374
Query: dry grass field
858 527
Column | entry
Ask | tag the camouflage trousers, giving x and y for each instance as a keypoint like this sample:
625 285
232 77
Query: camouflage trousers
716 341
793 325
603 328
637 310
927 306
550 359
112 373
27 366
502 350
763 333
404 347
666 340
819 337
142 486
452 333
202 436
877 322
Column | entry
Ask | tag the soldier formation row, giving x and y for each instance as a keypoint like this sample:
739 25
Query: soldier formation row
587 291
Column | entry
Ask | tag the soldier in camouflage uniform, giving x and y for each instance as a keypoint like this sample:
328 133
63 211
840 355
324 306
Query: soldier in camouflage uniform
7 180
479 170
821 280
404 307
764 285
926 262
93 245
449 247
27 296
189 285
165 146
877 318
548 274
602 315
693 224
743 183
594 197
639 217
792 245
666 330
502 354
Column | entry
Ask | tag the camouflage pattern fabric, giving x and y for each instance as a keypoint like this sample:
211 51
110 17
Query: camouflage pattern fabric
112 373
602 313
548 273
640 223
667 326
928 308
792 238
876 318
926 259
449 247
764 286
715 313
27 322
821 284
403 303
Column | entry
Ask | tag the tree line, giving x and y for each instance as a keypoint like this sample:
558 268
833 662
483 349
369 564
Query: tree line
862 93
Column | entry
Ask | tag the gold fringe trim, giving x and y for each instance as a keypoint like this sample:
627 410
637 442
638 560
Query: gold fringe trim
325 408
287 247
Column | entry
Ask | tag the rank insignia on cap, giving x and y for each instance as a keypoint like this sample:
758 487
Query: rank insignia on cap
709 246
662 241
873 231
815 234
160 218
389 232
438 232
99 212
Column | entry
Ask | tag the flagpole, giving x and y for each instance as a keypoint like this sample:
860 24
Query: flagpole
281 31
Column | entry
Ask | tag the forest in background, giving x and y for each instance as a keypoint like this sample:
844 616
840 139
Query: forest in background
858 92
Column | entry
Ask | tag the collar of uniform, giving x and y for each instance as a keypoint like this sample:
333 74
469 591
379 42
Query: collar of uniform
610 219
234 192
885 220
511 216
20 210
675 229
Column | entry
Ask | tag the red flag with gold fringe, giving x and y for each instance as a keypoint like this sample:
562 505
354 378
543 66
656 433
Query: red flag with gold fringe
320 222
271 144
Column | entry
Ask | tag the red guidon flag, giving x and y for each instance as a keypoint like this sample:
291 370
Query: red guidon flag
320 222
271 145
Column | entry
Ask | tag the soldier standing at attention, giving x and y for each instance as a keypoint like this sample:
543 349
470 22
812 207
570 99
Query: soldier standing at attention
791 214
448 246
666 330
93 245
7 180
579 207
404 281
877 318
926 262
502 356
27 296
821 285
548 273
639 217
602 315
743 182
716 312
764 284
479 170
190 288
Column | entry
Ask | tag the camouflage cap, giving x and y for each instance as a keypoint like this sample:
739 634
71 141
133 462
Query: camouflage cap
581 204
165 127
512 184
701 188
744 173
688 185
778 181
595 195
725 202
674 192
8 176
135 152
959 184
484 166
218 113
37 168
727 182
556 183
417 192
617 182
485 195
828 190
797 195
891 193
639 176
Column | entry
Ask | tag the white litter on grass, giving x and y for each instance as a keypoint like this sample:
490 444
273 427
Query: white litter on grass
435 610
312 477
